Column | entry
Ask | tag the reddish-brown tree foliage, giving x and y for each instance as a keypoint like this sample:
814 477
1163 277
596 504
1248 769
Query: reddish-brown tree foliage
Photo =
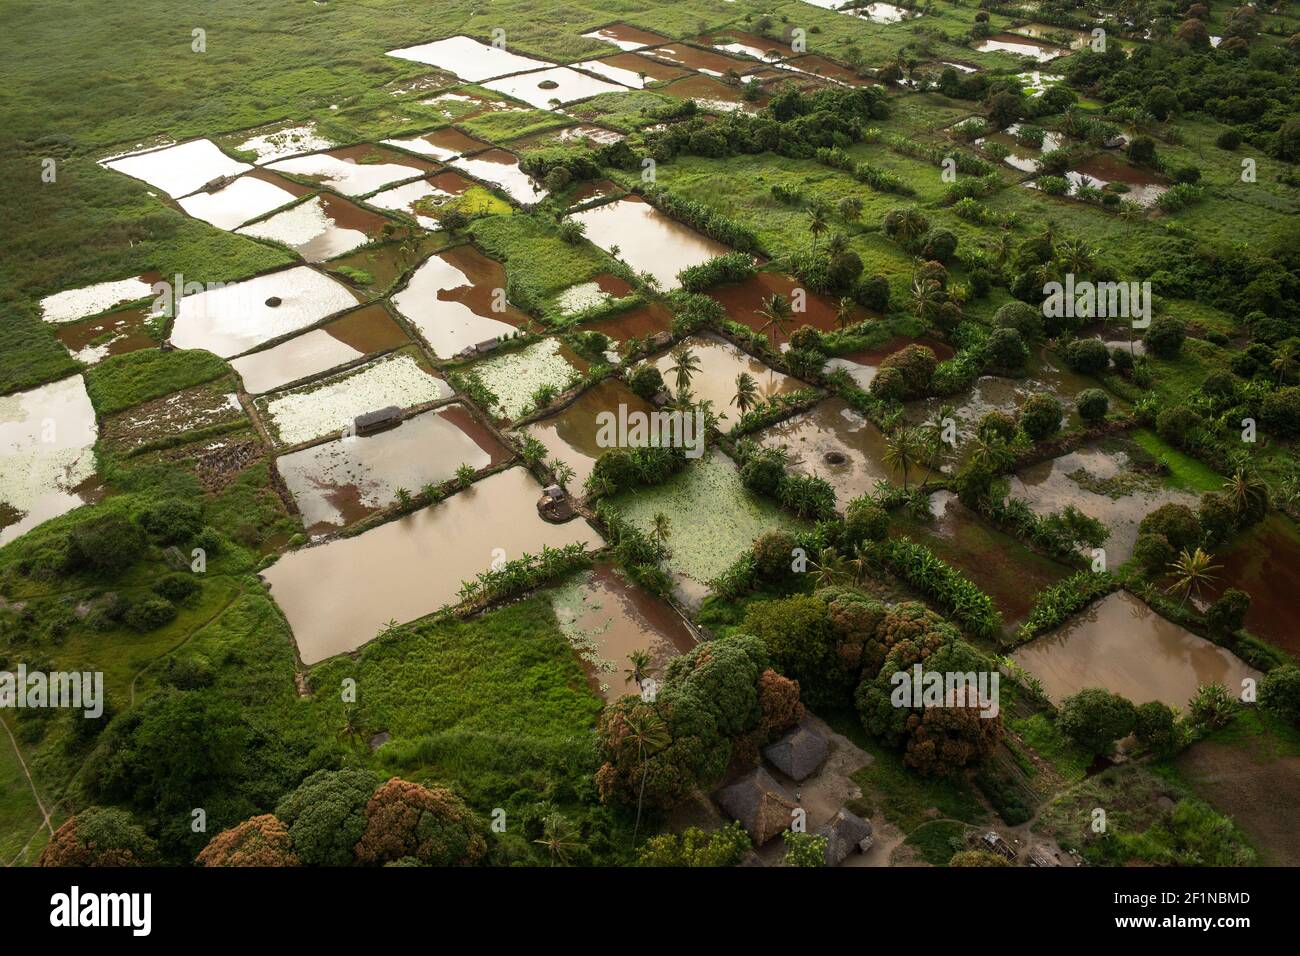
258 841
779 698
99 836
405 820
943 740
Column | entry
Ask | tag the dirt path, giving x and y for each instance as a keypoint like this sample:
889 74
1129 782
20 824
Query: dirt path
45 814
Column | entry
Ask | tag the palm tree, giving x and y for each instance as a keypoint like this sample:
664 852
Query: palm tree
817 223
746 396
564 473
902 451
647 729
1286 363
560 837
776 310
910 225
686 365
837 244
828 567
1002 246
861 565
1191 573
1076 256
642 666
660 529
1247 491
844 312
351 724
927 298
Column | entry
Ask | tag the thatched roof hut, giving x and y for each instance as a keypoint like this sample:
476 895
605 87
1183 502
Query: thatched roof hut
762 805
844 832
800 752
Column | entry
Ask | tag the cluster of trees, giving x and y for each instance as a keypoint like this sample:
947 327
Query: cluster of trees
843 647
721 700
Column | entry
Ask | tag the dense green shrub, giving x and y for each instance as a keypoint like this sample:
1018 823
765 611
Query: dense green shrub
149 614
1040 416
1005 351
1092 404
1088 356
1164 338
1155 726
106 544
326 815
1279 693
177 587
1176 522
1022 317
172 521
1227 615
1094 718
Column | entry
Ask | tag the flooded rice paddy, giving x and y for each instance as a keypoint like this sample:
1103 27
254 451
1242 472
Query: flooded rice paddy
355 170
1021 46
1264 561
571 435
376 269
314 410
600 291
549 89
501 168
246 198
47 454
241 316
443 144
606 618
640 323
885 13
339 595
201 407
346 339
340 482
697 60
514 377
284 141
626 37
1082 479
1124 646
745 300
423 199
117 333
720 364
74 304
738 43
1107 170
710 94
179 170
835 442
321 228
996 563
820 66
632 70
456 299
647 240
1021 156
863 364
468 59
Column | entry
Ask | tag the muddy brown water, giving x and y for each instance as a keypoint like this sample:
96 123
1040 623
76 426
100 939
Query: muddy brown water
252 195
629 68
1047 486
648 240
598 189
339 482
324 227
710 93
863 364
640 323
119 332
443 144
1022 157
1264 562
1022 46
744 300
835 442
450 301
1144 187
502 168
1122 645
885 13
993 393
424 199
237 318
815 65
606 618
1077 39
701 61
996 563
355 170
47 454
625 36
339 595
739 43
571 435
720 363
364 332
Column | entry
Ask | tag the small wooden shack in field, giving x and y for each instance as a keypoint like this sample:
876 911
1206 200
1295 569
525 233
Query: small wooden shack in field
377 421
844 833
762 805
799 753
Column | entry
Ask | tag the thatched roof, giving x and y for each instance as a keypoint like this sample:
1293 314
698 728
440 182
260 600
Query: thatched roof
762 805
844 832
799 753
